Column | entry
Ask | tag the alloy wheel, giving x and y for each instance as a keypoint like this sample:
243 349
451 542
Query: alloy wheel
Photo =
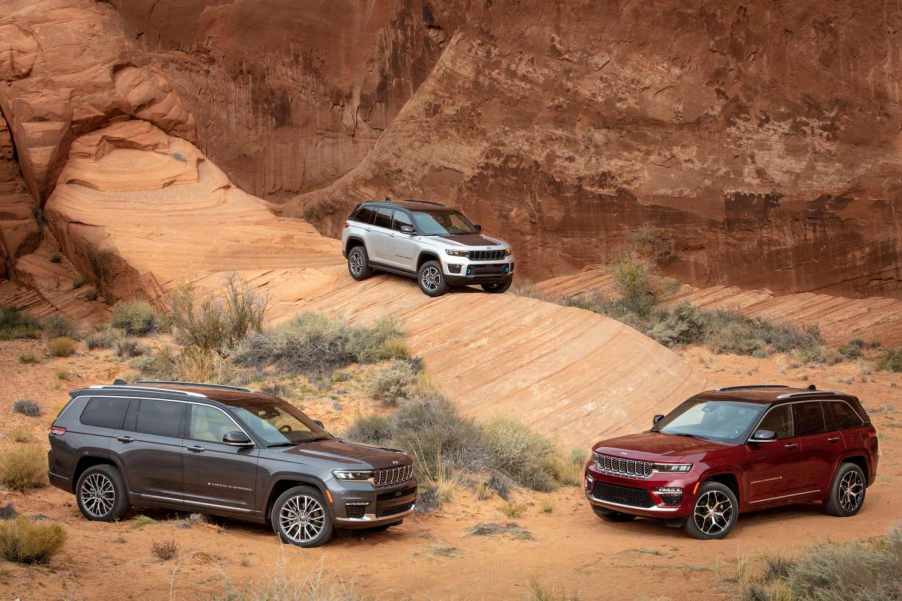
357 261
98 495
302 519
713 512
851 491
431 278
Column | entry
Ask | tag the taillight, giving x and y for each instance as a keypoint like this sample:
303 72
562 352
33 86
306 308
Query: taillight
57 430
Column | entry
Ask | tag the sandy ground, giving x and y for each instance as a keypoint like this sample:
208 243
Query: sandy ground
434 557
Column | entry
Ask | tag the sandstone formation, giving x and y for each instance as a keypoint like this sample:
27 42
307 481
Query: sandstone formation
839 319
19 231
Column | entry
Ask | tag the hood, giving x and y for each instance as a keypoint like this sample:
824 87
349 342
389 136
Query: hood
652 446
347 453
472 240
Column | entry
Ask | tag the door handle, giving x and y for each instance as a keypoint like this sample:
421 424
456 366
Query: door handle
791 445
125 439
196 448
833 439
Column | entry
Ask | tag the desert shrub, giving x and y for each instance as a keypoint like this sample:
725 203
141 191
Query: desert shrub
21 435
103 338
165 550
29 359
396 382
315 345
853 349
191 364
15 325
129 348
61 347
159 365
26 407
316 586
525 456
650 244
891 360
371 429
539 593
637 292
57 326
22 468
24 541
852 571
684 325
217 323
135 318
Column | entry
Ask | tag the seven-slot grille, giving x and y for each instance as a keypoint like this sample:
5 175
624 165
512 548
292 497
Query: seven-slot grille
486 255
622 495
393 475
630 468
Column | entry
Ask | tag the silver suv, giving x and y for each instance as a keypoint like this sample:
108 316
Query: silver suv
428 241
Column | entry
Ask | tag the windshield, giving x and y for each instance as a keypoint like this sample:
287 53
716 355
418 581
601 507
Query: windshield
442 223
276 422
728 421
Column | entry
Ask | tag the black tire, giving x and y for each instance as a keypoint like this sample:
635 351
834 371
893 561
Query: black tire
714 513
313 531
498 287
613 516
431 279
847 491
101 494
359 263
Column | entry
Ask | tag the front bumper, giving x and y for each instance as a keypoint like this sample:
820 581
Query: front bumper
359 505
625 495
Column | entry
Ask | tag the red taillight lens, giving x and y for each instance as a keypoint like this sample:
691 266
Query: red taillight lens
57 430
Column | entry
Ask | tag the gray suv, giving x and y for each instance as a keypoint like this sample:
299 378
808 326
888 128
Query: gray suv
226 451
428 241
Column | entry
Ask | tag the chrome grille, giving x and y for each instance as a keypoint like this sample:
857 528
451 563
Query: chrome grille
630 468
486 255
393 475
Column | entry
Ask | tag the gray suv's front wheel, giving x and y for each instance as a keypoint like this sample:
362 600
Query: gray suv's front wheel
431 279
300 516
359 263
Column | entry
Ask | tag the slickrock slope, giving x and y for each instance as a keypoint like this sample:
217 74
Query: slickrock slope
759 140
142 211
839 319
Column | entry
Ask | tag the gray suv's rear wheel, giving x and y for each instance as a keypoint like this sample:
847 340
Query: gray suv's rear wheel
100 494
359 263
497 287
431 279
301 516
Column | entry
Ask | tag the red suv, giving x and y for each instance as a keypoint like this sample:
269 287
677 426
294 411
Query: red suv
737 449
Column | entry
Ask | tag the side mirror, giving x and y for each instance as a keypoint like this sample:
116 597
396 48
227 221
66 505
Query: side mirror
656 419
408 229
764 436
236 438
478 227
319 423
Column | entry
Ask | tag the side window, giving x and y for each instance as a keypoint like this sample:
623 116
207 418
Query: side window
105 412
400 218
840 416
162 418
809 418
363 215
383 218
209 424
778 420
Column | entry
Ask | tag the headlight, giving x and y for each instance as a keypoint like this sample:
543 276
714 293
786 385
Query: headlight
508 252
456 253
356 475
672 467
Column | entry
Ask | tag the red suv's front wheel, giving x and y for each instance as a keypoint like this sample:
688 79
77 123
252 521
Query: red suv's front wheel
714 513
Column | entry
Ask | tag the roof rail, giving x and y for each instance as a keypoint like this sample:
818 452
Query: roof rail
752 387
811 391
426 202
151 388
197 384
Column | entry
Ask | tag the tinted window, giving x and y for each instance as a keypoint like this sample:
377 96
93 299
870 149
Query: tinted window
163 418
809 418
383 218
778 420
105 412
364 215
401 218
840 416
209 424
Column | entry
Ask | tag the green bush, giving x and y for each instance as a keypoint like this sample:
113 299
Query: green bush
371 429
684 325
853 571
24 541
29 359
891 360
16 325
57 326
104 338
398 381
27 408
315 345
61 347
525 456
853 349
634 284
136 318
22 468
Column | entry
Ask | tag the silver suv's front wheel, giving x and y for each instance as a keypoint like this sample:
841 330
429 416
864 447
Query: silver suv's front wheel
431 279
300 516
359 263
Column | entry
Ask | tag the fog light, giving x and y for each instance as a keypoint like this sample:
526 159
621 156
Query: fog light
669 495
453 268
589 482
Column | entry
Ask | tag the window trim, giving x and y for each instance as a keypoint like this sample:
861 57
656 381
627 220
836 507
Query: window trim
231 419
824 400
